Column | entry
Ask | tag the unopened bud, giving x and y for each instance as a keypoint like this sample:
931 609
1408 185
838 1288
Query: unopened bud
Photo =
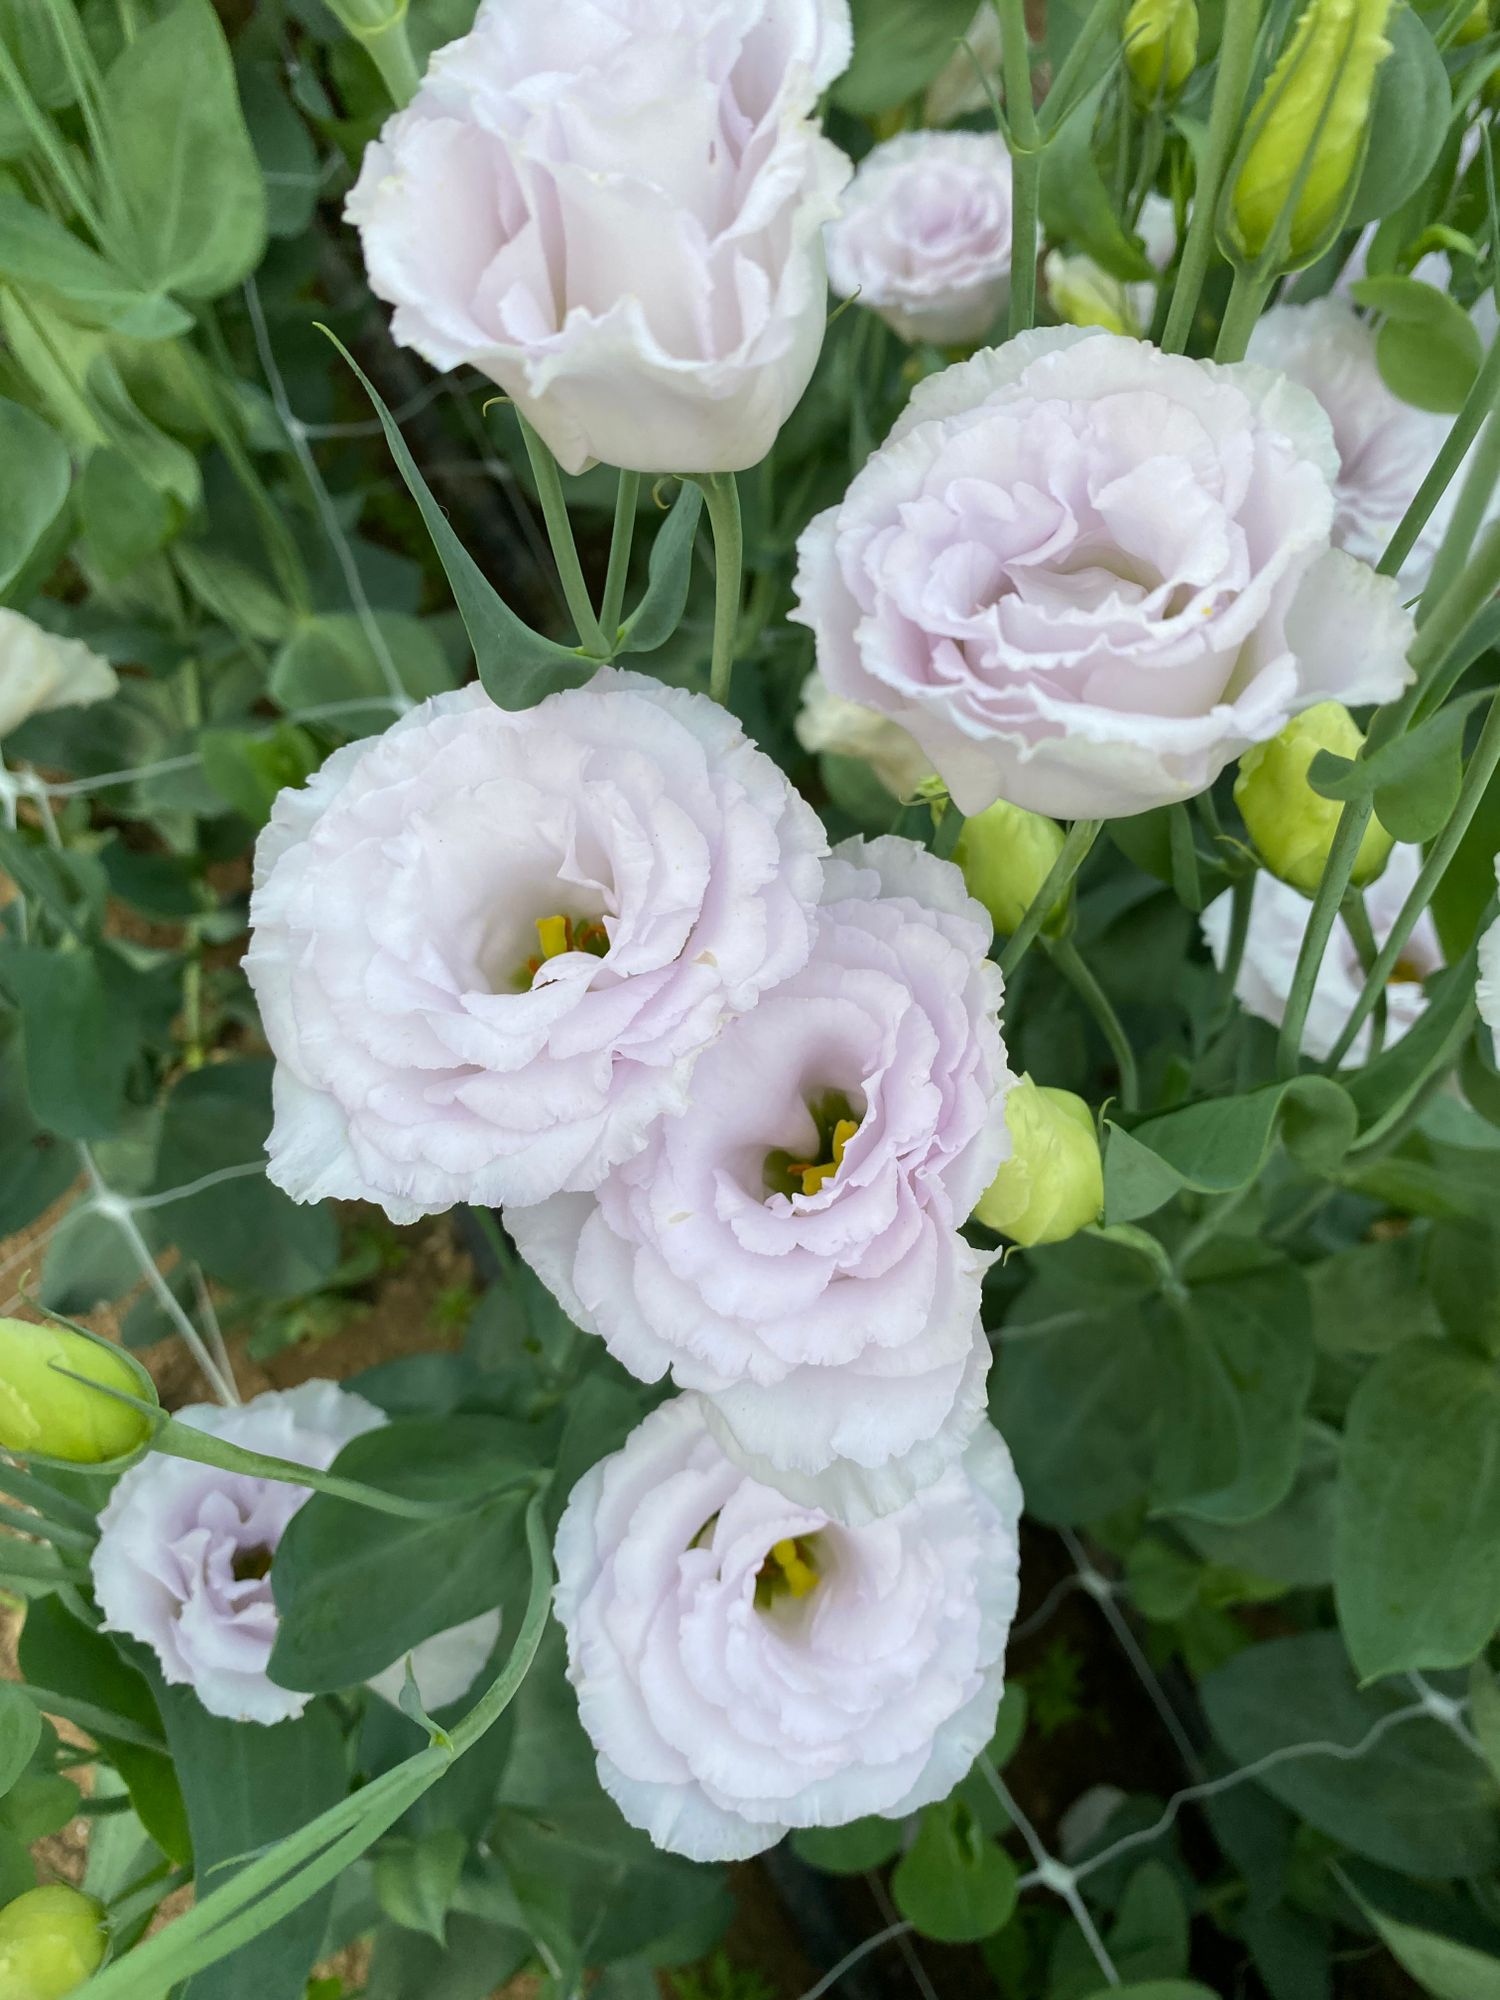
1053 1183
44 1409
1006 854
1291 824
1310 127
51 1939
1161 47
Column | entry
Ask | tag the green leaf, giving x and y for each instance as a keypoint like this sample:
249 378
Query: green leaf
339 658
1462 1269
1417 1549
33 496
517 666
849 1850
1155 1989
1235 1368
79 1033
1382 1088
669 571
1451 1952
341 1618
1409 1795
899 47
1076 205
248 769
1427 347
36 250
125 519
35 1168
180 156
20 1733
247 1785
1408 121
243 1231
952 1884
1221 1145
247 601
416 1880
284 147
1413 781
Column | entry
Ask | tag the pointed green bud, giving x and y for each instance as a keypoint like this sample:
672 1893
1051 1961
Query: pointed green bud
1161 47
50 1941
44 1410
1313 114
1006 854
1053 1183
1291 824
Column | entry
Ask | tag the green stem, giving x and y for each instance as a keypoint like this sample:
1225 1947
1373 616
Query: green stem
1059 103
1357 921
1225 118
1080 838
1241 902
722 494
1468 516
560 534
1338 868
51 148
1482 398
1247 297
1024 141
389 48
1482 767
622 535
1065 956
1450 617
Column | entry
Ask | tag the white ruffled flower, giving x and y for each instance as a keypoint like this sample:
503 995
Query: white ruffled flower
925 233
826 722
789 1244
1086 575
1386 447
744 1665
40 671
1278 920
614 209
184 1555
489 945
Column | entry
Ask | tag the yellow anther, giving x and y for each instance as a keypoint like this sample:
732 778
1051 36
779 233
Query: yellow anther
556 934
798 1574
814 1177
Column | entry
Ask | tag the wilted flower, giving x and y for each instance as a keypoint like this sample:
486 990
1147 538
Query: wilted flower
614 210
789 1243
489 945
1291 824
38 671
1386 447
1278 919
744 1665
1084 294
924 236
1006 855
826 722
44 1409
184 1557
1053 1183
51 1939
1086 575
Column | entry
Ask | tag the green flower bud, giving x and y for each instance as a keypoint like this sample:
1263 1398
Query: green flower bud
1161 46
1053 1183
1475 23
43 1410
50 1941
1006 854
1314 110
1291 824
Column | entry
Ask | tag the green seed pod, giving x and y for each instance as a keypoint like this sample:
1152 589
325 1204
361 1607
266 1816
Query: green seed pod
44 1410
50 1941
1161 47
1291 824
1053 1183
1006 854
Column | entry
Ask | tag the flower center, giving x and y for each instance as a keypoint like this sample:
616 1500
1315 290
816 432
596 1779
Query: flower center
251 1565
833 1116
559 934
1405 973
790 1570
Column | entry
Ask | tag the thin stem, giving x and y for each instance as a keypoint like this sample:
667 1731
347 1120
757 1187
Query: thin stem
1060 97
1450 617
560 535
1357 919
1236 59
1337 870
722 494
1080 838
50 146
389 48
1477 405
1065 956
1468 516
1482 767
1024 141
622 535
1241 901
1251 287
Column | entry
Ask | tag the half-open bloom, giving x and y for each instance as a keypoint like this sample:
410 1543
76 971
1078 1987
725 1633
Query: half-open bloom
39 670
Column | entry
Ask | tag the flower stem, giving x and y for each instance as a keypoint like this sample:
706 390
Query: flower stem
1467 518
1482 398
1025 145
722 493
1066 957
1241 902
560 534
1342 853
1225 119
1080 838
622 535
389 48
1251 287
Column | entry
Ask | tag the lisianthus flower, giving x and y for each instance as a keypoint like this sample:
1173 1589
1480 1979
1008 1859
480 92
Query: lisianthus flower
614 209
1086 575
745 1665
826 722
789 1243
184 1556
1278 920
39 671
489 945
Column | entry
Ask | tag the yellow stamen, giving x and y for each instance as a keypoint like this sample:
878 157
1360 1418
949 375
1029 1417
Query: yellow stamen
814 1177
556 934
799 1574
